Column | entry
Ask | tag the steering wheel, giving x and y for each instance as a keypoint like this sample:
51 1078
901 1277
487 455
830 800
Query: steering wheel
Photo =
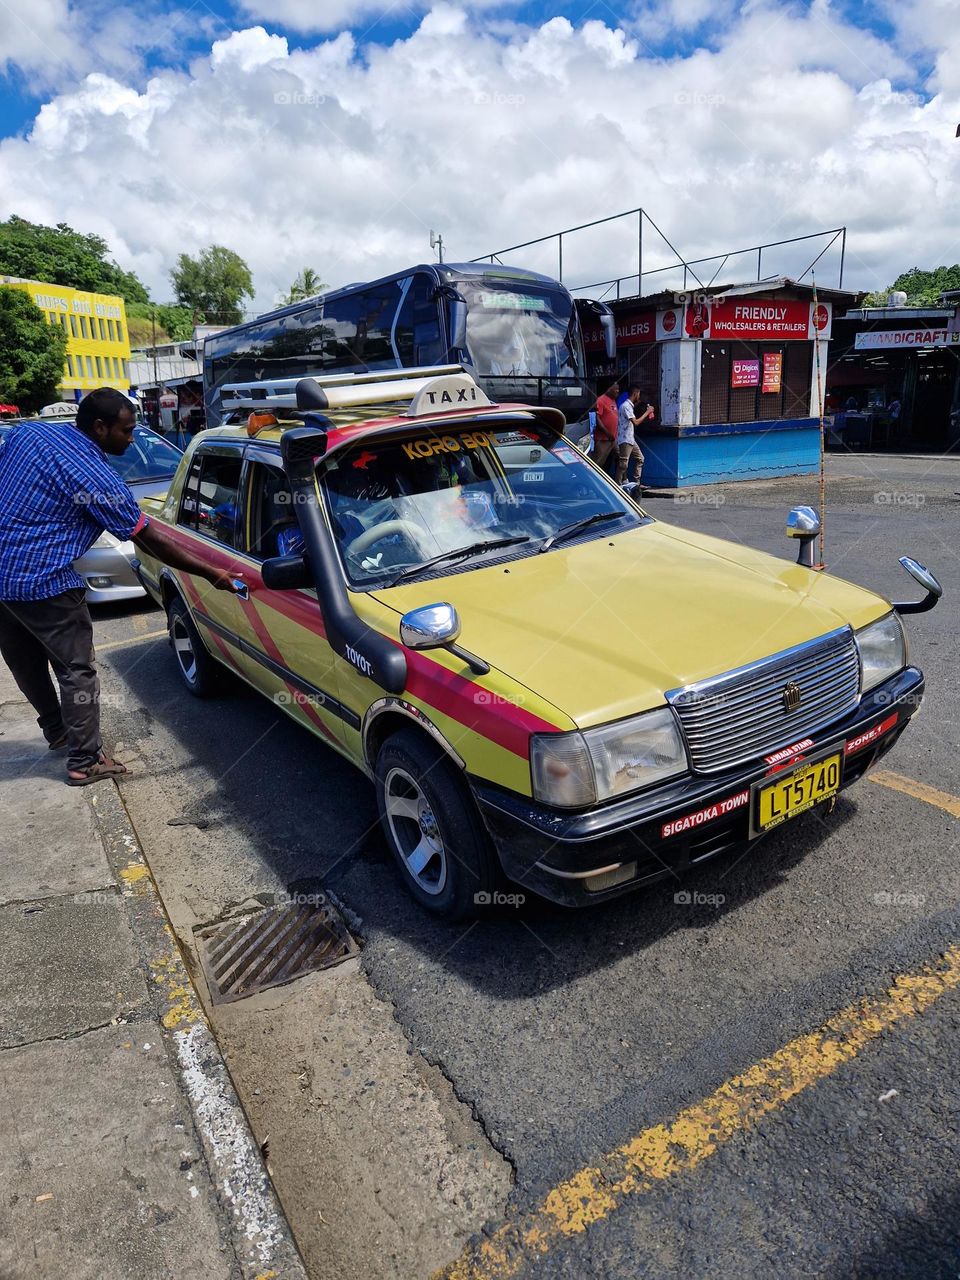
371 536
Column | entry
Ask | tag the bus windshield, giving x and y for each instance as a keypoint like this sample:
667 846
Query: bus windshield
525 330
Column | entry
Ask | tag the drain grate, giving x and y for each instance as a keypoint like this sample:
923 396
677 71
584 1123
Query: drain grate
269 947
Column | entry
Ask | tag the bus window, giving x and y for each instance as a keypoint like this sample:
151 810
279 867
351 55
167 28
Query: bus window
418 337
357 329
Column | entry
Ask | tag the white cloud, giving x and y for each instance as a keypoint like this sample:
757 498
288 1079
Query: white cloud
343 155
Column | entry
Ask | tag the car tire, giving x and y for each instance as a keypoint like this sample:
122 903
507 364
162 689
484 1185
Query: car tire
202 675
431 824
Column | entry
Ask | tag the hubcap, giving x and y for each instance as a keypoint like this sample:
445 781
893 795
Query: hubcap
183 648
415 831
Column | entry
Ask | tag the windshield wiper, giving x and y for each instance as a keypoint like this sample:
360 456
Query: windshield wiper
459 553
568 530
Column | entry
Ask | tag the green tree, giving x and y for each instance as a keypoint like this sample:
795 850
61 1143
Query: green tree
32 352
173 324
213 284
307 284
923 288
60 255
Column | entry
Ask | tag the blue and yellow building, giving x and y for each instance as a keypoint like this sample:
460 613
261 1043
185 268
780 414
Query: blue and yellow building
98 343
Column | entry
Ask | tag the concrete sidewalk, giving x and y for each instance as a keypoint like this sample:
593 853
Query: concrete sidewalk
123 1149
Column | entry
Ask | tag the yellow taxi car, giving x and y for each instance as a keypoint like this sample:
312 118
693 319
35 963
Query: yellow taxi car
539 678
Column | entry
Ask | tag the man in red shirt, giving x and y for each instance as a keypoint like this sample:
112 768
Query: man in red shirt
605 432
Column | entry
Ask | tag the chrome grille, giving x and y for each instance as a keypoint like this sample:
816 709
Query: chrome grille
740 716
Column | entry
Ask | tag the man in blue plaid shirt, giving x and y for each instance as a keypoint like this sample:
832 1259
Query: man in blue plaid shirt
58 493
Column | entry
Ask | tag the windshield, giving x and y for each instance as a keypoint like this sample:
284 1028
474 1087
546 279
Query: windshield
521 330
149 457
397 502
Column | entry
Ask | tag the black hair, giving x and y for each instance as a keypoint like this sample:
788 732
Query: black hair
635 386
105 404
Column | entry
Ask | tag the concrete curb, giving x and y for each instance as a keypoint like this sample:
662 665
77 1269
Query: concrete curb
259 1232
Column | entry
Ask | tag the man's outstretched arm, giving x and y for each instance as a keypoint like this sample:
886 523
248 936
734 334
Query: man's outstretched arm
155 539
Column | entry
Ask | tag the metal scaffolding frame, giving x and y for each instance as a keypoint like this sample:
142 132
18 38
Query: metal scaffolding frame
834 234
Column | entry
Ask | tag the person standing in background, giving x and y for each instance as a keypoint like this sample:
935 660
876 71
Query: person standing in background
605 431
629 420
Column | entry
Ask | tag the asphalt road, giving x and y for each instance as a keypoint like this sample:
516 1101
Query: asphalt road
568 1034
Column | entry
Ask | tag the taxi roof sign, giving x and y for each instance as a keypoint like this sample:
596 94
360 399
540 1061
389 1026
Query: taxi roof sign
450 391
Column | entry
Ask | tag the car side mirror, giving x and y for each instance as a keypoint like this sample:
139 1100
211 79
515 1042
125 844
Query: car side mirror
920 573
286 573
803 523
458 324
431 626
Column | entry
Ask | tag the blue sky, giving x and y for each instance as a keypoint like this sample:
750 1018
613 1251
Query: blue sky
262 125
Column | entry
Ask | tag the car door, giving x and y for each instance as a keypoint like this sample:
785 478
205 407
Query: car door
208 518
286 638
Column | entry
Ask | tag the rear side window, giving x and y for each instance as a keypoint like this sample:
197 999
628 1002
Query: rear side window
210 502
273 523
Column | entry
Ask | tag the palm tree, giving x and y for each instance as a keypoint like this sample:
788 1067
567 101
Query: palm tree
307 283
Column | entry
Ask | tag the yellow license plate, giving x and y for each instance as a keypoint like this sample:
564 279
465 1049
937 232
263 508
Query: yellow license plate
798 791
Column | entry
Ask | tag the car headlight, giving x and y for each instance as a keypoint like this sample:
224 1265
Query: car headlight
571 770
106 540
883 651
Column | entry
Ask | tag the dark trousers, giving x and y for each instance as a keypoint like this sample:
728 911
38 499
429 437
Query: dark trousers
57 631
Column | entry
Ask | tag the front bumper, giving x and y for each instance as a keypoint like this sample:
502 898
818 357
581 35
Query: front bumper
108 575
579 857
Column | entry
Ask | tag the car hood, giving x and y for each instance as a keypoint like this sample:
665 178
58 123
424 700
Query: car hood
604 628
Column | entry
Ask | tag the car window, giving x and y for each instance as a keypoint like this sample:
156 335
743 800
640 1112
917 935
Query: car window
273 525
147 458
210 502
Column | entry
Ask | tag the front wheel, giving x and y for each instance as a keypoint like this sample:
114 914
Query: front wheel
433 829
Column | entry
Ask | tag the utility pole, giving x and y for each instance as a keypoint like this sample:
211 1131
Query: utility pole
436 242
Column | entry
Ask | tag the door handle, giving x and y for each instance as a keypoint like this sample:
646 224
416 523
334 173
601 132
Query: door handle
242 590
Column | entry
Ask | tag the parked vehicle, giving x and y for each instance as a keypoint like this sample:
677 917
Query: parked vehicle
517 332
538 677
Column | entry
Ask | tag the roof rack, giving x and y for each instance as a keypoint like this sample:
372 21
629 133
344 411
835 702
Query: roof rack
339 390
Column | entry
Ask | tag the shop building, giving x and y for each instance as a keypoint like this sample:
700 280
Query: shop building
894 377
736 374
98 345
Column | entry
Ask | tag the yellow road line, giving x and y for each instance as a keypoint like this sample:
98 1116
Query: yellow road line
919 790
123 644
661 1152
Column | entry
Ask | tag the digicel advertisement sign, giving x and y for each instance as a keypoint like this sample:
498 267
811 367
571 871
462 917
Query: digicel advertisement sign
751 319
633 329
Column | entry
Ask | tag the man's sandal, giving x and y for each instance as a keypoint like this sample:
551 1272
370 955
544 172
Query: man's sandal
95 772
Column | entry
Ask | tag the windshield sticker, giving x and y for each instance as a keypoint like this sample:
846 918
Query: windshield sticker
565 455
429 448
364 460
532 477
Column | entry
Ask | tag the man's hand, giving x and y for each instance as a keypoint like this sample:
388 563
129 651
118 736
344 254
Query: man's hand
226 582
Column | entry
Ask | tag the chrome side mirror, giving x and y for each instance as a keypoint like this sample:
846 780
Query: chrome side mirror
608 324
431 626
804 523
920 573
